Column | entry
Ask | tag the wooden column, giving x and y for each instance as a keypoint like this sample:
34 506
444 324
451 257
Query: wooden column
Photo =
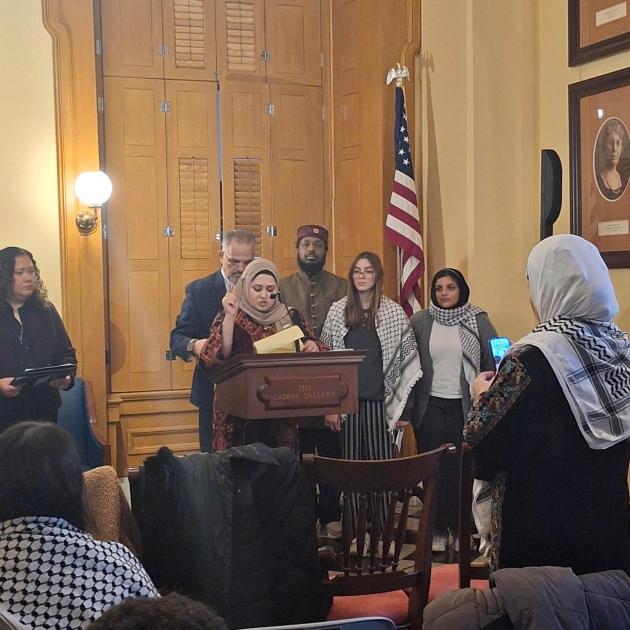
71 26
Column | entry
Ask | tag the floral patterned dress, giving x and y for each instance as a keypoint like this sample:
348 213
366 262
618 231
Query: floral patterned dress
228 430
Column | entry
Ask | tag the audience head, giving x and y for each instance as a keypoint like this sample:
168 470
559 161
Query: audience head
312 247
568 278
162 613
449 288
365 277
237 251
19 276
40 474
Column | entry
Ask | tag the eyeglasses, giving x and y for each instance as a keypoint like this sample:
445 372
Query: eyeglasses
363 272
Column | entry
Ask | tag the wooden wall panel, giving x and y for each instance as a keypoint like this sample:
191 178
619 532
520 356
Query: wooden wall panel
193 194
240 32
189 33
245 146
368 37
150 420
71 27
297 169
138 250
293 38
132 35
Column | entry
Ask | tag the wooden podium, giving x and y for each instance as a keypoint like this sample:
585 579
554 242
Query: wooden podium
288 385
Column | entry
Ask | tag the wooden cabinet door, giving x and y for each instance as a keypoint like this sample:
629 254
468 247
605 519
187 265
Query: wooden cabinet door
140 319
240 32
132 36
189 35
193 193
297 175
245 151
293 40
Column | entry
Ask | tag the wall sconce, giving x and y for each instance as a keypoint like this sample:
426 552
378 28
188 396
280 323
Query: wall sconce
93 189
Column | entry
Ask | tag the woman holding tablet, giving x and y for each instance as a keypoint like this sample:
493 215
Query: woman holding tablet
32 335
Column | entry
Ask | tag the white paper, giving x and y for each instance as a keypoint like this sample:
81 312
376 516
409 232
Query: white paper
612 228
610 14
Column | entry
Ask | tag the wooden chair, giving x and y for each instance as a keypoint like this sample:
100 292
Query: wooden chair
450 577
372 581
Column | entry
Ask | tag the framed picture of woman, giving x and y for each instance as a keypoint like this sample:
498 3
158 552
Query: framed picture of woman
599 151
597 28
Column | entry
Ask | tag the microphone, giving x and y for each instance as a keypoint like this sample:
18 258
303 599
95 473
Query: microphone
275 295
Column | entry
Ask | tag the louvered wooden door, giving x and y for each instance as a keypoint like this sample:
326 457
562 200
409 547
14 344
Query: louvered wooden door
193 193
138 251
132 36
240 32
297 169
293 41
189 34
245 149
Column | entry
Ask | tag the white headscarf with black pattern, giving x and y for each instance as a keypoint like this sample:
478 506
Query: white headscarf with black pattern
574 298
401 362
465 318
55 575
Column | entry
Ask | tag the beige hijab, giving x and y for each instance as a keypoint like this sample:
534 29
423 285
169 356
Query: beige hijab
278 315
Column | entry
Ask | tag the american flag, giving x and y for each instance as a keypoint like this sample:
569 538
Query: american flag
403 220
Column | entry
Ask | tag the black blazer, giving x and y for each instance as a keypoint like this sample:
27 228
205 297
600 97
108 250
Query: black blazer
200 307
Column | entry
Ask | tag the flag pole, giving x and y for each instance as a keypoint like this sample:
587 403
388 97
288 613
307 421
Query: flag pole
403 223
398 73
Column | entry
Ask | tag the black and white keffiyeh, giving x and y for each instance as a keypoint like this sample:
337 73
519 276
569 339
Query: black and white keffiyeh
54 575
401 362
465 318
575 301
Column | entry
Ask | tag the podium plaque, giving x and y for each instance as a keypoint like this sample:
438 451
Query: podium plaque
291 385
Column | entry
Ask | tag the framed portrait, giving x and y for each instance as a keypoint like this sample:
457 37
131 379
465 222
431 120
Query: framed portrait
599 156
597 28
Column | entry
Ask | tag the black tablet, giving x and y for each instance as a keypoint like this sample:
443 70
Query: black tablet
36 376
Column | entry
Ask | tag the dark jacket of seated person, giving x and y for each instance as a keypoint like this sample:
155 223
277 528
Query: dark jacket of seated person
548 432
53 574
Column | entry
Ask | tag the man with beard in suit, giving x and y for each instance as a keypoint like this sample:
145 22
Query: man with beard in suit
200 306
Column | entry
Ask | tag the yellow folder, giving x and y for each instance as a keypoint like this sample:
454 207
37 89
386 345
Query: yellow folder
283 341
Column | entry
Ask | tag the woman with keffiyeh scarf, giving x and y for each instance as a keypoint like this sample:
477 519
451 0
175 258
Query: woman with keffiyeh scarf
452 337
548 432
368 320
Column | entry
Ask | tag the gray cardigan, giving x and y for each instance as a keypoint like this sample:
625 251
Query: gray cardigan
422 324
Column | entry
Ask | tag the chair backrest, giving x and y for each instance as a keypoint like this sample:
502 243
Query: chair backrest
77 416
468 568
377 570
359 623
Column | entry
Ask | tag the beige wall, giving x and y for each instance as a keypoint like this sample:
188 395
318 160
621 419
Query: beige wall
494 93
29 215
554 77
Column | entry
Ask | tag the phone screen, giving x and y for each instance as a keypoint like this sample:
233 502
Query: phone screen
498 347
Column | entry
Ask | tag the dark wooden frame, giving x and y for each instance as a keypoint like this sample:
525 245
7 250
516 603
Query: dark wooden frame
581 54
578 91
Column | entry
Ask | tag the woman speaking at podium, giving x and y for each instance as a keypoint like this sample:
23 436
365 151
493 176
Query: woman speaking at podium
251 312
31 335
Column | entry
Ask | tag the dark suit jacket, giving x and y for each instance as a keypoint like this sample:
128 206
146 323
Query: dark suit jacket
201 304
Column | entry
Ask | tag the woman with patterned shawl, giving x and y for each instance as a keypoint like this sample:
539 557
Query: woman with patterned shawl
54 574
548 430
252 311
452 337
367 320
